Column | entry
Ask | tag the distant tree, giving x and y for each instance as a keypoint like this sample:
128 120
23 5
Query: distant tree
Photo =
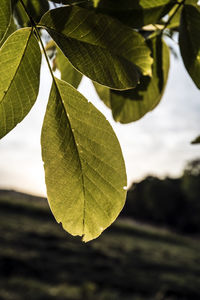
156 201
193 168
174 203
191 188
117 44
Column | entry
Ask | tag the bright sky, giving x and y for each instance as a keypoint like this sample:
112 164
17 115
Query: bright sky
158 144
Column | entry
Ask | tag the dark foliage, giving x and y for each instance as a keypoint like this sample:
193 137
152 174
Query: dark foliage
174 203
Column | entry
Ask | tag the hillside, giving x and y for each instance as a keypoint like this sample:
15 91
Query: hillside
39 261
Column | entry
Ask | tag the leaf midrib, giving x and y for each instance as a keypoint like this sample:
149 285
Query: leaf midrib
86 42
80 163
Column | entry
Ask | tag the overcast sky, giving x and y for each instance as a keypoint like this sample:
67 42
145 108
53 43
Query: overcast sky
158 144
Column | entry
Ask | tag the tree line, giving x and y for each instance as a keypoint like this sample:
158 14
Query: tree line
168 202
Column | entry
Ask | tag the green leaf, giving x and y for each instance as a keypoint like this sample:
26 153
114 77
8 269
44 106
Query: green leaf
35 8
136 13
10 29
189 41
5 16
84 167
131 105
196 141
98 46
68 73
20 60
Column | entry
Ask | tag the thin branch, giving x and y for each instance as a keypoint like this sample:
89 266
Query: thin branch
34 26
179 4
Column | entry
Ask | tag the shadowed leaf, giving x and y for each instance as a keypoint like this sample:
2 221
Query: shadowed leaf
68 73
189 41
34 7
131 105
136 13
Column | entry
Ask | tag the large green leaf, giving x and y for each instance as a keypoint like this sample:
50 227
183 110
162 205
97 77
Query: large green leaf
5 16
84 167
136 13
98 46
189 41
20 60
68 73
131 105
35 8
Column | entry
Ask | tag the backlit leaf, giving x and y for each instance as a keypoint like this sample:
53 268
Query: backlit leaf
20 60
131 105
84 167
189 40
98 46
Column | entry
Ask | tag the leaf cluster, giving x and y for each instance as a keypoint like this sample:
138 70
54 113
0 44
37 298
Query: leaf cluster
119 45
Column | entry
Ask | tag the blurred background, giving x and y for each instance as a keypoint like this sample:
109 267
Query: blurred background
151 252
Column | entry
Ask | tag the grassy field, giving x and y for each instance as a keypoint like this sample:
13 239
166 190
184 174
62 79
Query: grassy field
38 260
